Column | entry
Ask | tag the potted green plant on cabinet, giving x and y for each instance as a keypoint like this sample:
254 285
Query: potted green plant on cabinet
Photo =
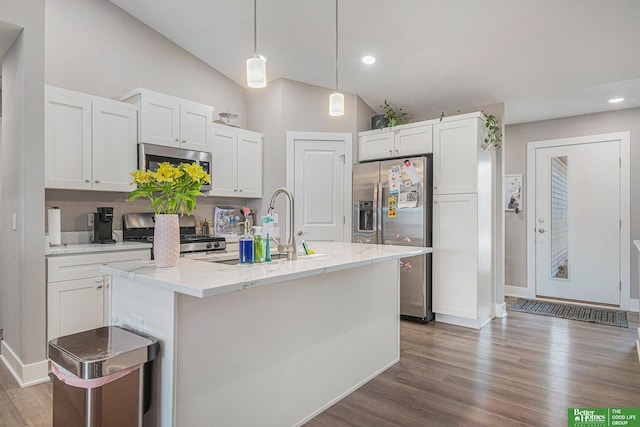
391 117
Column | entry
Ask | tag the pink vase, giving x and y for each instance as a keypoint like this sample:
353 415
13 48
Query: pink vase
166 240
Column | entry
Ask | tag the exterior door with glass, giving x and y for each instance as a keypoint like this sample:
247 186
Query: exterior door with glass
578 222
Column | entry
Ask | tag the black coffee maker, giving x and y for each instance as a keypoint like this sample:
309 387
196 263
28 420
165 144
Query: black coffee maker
103 226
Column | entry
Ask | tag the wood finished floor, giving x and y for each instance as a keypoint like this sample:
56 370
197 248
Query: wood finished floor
519 371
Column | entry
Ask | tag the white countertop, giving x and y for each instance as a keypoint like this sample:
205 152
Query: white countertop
204 279
79 248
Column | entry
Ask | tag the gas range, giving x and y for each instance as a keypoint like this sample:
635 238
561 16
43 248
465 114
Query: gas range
139 227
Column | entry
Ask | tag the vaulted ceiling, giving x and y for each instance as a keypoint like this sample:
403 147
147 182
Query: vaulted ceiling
543 59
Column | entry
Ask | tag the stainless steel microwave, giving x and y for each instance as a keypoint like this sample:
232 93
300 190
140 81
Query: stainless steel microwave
150 156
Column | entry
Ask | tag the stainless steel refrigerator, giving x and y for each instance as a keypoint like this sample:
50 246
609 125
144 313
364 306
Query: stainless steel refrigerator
392 205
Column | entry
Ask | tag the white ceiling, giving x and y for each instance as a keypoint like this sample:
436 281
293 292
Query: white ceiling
543 59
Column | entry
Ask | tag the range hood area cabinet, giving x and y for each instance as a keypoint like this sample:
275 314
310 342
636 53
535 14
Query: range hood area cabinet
236 170
170 121
399 141
90 142
462 223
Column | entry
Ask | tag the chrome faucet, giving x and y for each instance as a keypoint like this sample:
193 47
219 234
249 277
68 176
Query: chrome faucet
291 248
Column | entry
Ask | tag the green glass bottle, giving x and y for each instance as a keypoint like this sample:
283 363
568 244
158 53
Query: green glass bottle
258 246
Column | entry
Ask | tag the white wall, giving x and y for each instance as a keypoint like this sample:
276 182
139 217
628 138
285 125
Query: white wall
93 46
21 251
286 105
516 139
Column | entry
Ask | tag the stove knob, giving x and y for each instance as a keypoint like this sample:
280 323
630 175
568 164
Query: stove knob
216 245
209 246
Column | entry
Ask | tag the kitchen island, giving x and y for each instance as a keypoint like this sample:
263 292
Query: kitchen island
269 344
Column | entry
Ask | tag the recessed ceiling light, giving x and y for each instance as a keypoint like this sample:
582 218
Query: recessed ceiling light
616 100
368 59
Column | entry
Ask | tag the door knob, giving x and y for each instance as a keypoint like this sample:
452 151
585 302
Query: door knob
541 230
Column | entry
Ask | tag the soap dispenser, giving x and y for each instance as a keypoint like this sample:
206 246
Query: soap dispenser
246 246
258 245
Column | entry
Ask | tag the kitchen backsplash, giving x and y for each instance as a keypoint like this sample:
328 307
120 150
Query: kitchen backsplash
76 205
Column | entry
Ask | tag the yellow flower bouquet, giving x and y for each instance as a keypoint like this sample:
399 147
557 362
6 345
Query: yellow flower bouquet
171 189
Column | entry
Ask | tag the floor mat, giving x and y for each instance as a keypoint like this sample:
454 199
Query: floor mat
571 311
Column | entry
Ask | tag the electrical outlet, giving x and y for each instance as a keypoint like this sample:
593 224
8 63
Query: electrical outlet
90 220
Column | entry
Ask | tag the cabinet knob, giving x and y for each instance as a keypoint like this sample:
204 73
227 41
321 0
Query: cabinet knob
97 181
235 191
177 140
435 187
99 286
87 181
396 151
184 141
240 190
435 202
390 151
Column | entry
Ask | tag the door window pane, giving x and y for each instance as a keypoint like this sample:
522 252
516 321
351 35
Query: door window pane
559 218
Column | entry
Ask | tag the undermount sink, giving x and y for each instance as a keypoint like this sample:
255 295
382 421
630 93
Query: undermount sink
274 258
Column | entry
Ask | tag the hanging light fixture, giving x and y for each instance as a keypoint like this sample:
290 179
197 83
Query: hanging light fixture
256 65
336 99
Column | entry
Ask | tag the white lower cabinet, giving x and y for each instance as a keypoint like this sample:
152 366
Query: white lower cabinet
78 294
462 287
455 261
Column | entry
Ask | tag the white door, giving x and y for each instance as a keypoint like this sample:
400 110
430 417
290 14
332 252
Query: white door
320 178
578 222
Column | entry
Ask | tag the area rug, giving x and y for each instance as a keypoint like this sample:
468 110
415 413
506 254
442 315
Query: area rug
569 311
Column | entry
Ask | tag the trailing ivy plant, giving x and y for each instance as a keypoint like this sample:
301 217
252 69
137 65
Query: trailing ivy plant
394 117
493 139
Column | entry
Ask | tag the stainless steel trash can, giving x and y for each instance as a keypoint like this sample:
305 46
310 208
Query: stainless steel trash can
101 377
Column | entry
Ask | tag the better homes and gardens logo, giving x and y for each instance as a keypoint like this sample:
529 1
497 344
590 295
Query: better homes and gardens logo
603 417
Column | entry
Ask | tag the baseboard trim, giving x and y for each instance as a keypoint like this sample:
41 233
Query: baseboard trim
25 375
518 291
461 321
501 310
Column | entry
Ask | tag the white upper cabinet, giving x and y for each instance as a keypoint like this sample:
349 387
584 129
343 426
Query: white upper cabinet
170 121
90 142
399 141
455 156
237 162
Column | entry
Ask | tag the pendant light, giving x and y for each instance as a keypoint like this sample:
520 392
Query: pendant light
336 99
256 65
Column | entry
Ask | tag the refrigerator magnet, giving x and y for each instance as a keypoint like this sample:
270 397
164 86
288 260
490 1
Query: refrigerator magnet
411 172
392 204
395 179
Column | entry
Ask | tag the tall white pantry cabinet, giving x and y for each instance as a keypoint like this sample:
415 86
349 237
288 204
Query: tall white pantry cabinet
462 223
